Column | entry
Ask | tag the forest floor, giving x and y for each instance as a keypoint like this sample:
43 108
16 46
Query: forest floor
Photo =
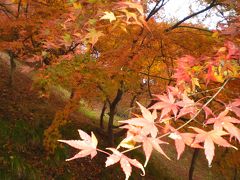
24 115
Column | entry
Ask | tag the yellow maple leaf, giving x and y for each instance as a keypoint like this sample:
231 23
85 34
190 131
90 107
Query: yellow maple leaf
77 5
215 34
109 16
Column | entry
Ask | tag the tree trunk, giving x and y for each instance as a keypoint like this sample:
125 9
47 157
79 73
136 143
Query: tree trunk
192 166
112 112
102 114
110 126
132 104
152 102
12 67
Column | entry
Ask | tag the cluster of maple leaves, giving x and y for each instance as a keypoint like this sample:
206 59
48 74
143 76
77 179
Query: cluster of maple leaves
218 68
148 129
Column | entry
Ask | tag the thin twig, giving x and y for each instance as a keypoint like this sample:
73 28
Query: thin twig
156 8
131 149
206 91
163 78
104 152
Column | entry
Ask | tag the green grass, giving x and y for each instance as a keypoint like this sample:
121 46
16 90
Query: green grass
94 114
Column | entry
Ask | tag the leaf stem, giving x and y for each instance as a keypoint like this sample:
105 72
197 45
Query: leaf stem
104 152
208 90
131 149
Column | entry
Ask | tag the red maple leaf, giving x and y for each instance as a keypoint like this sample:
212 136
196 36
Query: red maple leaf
88 145
175 91
166 104
209 76
223 121
125 162
233 50
183 71
209 138
235 107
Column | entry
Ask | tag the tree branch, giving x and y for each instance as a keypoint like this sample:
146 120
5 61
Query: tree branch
156 8
197 28
163 78
213 3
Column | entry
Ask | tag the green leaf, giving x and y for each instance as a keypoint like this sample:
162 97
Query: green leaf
67 37
92 1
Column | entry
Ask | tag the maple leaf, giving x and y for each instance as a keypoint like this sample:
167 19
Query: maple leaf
181 139
207 111
235 107
88 145
191 107
166 104
188 107
209 138
150 143
233 50
129 141
125 162
132 5
175 91
146 122
92 36
129 15
181 75
210 73
109 16
183 72
223 121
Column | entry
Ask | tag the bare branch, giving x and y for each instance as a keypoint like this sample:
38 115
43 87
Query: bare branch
156 8
213 3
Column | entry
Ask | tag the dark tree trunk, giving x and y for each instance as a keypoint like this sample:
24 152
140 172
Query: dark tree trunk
12 66
132 104
152 102
102 114
110 126
133 100
72 93
192 166
112 112
235 176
